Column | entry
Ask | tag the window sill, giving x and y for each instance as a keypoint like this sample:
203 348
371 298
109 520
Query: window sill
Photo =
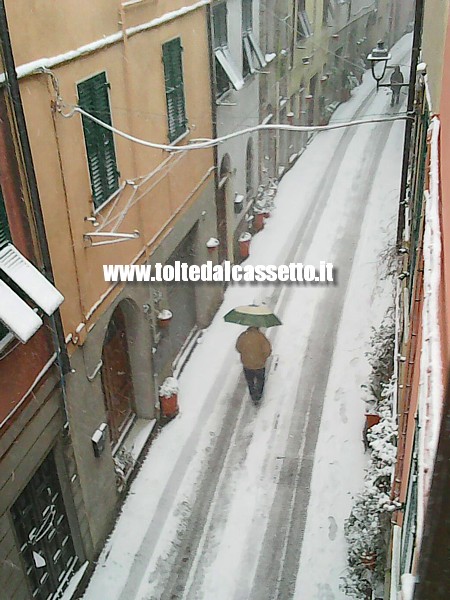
137 436
223 97
249 78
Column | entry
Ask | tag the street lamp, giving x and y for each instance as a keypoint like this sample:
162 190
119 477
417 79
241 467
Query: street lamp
378 59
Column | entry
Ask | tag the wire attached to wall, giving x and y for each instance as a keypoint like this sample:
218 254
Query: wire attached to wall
211 142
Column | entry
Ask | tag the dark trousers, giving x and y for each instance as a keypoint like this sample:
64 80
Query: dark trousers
395 98
255 381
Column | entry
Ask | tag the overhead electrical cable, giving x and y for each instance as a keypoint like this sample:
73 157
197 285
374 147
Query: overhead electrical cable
209 143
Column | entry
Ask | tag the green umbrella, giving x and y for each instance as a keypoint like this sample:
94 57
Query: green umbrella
252 316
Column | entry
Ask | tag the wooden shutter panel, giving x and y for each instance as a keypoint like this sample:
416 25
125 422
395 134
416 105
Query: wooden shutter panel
93 98
5 234
173 75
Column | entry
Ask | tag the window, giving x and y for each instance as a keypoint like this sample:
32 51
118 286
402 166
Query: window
16 316
249 169
173 75
252 56
304 29
220 25
247 15
5 237
327 12
42 527
227 74
5 234
93 97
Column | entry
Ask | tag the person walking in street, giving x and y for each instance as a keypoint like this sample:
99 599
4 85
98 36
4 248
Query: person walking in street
255 349
396 85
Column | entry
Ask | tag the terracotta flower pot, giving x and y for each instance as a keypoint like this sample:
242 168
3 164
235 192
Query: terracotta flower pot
372 420
369 560
169 406
164 318
244 244
258 223
244 249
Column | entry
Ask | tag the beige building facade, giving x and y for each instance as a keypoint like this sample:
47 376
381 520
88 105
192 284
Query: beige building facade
143 68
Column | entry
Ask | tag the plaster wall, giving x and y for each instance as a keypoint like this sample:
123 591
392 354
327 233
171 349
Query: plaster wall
435 24
138 106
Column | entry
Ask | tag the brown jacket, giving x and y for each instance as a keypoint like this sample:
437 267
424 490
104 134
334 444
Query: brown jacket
254 348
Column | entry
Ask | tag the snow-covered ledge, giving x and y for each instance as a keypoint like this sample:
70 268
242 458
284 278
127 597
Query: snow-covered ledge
431 388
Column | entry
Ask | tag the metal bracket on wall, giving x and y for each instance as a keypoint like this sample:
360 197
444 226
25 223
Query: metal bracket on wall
115 237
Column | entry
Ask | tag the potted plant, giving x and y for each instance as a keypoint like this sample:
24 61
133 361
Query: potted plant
168 398
369 560
258 223
372 419
238 203
244 244
164 318
212 244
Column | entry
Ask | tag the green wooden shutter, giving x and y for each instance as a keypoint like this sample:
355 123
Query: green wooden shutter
173 75
93 98
5 234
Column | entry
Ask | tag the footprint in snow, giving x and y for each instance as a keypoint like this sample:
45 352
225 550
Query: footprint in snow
343 413
332 528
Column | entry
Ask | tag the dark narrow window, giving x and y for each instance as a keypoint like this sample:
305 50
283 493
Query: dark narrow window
304 29
252 55
227 72
93 97
5 238
173 74
223 82
249 169
247 24
5 234
220 25
247 15
328 12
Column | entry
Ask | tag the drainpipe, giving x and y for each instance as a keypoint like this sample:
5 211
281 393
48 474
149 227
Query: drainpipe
417 41
213 93
12 85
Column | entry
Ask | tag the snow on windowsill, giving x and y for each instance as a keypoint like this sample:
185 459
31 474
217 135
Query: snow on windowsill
74 581
138 436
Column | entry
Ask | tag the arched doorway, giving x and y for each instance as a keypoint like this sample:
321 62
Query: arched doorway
221 207
117 381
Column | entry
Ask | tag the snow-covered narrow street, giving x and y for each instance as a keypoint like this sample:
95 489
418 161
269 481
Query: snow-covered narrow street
237 502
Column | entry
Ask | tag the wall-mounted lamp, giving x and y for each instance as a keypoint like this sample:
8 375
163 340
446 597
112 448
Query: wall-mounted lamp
378 59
